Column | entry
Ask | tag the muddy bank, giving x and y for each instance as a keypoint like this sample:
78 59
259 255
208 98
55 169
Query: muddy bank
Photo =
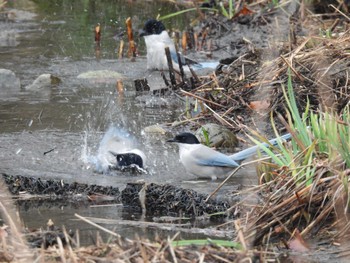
159 203
157 200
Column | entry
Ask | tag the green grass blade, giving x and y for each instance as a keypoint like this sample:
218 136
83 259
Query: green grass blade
230 8
286 155
269 152
206 137
185 11
203 242
300 126
223 10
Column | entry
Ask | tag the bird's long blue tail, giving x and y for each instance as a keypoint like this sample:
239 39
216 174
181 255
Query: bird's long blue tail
195 65
244 154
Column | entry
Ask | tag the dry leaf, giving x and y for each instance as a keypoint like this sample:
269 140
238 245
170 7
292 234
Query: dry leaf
298 244
244 11
259 105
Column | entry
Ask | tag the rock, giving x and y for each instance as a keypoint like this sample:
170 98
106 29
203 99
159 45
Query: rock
17 15
8 80
154 129
219 136
101 76
43 81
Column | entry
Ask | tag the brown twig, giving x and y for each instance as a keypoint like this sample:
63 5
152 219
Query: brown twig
132 47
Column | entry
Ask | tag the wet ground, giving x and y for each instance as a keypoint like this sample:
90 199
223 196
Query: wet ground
68 121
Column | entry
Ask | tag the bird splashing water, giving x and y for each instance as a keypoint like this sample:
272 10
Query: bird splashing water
117 151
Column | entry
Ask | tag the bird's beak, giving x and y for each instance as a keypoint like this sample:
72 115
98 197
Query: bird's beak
113 153
142 33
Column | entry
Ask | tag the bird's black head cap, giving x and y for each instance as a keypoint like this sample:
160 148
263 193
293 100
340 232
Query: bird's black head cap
152 27
185 137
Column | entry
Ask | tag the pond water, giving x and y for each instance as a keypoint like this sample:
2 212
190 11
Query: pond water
56 37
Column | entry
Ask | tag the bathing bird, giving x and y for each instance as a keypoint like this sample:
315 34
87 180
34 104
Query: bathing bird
202 161
117 150
132 159
157 39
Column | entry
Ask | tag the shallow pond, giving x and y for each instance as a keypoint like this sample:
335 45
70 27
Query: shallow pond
57 37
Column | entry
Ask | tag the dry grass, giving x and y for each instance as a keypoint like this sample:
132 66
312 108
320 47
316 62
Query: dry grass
251 87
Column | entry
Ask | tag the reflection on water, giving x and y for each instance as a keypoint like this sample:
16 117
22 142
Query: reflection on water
69 120
65 28
37 214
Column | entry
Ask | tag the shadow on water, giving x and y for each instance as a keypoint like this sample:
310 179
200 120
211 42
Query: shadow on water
69 120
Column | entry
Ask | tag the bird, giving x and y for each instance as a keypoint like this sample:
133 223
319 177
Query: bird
203 161
133 159
117 151
157 39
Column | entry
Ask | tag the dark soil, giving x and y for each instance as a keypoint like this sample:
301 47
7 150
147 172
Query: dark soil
256 51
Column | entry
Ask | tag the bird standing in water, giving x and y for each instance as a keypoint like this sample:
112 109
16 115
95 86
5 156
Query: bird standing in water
157 39
203 161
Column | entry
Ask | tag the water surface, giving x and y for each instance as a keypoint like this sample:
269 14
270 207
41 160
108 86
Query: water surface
70 119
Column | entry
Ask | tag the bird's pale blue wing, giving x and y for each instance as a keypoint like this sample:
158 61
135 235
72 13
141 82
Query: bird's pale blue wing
208 157
208 65
175 58
218 161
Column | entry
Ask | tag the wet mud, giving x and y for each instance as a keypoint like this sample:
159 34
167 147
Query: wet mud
159 200
36 186
152 200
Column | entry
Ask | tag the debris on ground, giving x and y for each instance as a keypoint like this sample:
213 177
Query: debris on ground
35 186
169 200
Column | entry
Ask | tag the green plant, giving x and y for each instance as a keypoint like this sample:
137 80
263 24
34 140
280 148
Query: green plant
275 2
203 242
315 136
332 133
230 12
206 137
185 11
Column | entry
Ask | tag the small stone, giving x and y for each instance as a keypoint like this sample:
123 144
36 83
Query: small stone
154 129
43 81
101 75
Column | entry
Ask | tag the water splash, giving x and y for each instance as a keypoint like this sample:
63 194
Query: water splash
115 141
